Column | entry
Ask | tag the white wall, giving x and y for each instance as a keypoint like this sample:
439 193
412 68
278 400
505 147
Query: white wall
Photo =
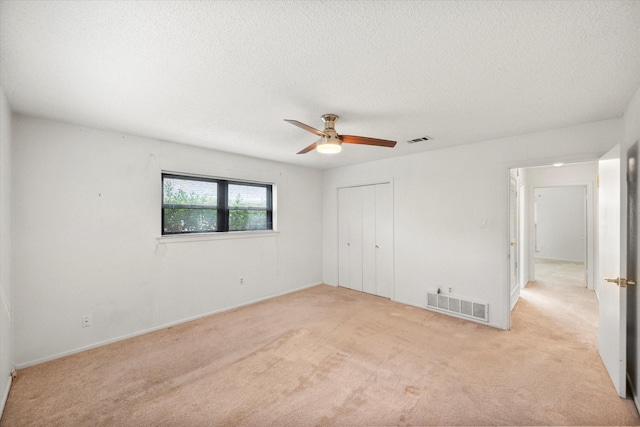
577 174
86 228
442 196
6 284
561 223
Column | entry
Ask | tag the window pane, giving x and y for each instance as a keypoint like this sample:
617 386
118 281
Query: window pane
178 191
190 220
191 205
247 196
244 219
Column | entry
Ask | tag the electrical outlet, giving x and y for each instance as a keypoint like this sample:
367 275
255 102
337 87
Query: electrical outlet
86 321
450 289
242 281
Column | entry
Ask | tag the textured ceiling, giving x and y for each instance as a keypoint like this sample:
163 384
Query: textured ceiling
224 75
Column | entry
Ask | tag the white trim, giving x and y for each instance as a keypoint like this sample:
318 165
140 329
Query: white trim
365 182
157 328
224 178
507 282
5 395
548 161
226 235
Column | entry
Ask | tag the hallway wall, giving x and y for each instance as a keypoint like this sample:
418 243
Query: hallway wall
560 228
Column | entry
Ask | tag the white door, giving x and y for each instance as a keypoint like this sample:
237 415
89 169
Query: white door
365 239
369 239
350 238
344 275
513 241
384 240
612 298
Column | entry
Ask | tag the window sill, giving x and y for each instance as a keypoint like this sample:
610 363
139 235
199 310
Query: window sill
199 237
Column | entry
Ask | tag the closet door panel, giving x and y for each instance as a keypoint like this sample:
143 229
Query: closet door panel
384 240
350 238
369 239
355 233
344 270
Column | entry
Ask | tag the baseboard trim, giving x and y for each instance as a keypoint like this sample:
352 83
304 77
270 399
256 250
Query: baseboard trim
561 260
157 328
5 395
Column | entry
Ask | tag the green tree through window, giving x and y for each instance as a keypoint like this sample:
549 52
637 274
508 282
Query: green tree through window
200 205
248 207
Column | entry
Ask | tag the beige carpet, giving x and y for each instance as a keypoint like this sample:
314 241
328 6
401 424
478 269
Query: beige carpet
331 356
568 273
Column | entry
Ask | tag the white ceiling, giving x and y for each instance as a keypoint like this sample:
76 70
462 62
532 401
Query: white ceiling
224 74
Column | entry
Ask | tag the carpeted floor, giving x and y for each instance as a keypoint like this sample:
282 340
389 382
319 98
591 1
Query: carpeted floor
569 273
332 356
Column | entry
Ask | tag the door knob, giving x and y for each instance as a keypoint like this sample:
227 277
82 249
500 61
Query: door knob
512 244
620 281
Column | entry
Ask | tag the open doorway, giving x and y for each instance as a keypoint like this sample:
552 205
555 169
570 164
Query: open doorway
549 253
560 235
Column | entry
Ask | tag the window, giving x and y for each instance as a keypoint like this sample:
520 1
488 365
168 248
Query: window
205 205
248 206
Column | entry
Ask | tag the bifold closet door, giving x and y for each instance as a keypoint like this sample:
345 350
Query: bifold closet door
384 240
350 238
365 239
369 239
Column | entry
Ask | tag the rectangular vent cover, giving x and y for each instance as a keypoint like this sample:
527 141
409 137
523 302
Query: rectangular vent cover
459 306
424 138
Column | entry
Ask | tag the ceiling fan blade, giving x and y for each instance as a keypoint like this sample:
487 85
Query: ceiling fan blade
305 127
352 139
309 148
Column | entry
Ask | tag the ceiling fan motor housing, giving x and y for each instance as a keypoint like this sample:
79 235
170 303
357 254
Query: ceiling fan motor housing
330 122
329 143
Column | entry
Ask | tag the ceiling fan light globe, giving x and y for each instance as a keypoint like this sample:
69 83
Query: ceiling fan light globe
329 145
329 148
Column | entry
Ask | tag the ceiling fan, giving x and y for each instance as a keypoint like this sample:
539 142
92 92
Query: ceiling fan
331 142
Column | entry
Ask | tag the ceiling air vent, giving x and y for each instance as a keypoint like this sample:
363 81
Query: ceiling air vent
424 138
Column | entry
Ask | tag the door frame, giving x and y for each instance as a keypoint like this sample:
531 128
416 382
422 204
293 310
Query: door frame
633 251
525 220
515 253
592 191
590 225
